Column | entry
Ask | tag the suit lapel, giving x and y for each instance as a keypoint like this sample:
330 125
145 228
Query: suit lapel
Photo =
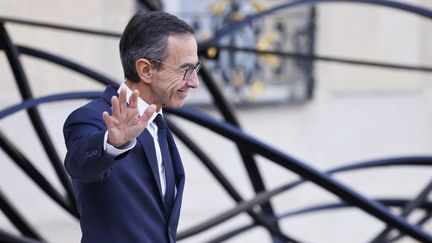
147 144
180 178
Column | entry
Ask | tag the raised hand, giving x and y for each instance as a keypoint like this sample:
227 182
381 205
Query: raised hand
125 123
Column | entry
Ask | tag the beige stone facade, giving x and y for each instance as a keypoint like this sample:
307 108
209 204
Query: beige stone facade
359 113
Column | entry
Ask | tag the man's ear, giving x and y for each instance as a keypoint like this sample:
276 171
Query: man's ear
143 68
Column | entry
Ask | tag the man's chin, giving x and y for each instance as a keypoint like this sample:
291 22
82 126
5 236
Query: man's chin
176 105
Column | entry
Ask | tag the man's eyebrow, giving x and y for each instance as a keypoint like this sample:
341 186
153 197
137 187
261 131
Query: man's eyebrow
186 65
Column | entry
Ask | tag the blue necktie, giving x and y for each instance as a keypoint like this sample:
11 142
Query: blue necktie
166 162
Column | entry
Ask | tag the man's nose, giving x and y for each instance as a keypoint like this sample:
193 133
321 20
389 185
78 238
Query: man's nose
193 81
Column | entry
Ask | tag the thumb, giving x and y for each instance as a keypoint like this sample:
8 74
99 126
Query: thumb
106 118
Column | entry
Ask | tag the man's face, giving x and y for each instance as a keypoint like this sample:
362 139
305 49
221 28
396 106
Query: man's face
167 84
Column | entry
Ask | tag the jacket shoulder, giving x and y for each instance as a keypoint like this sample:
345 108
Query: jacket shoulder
88 113
95 107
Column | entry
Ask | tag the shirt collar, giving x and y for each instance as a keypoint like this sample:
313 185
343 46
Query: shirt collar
142 105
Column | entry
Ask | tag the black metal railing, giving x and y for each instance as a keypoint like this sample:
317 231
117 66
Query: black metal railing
230 128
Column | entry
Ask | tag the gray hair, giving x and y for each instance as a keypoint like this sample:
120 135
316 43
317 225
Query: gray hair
145 36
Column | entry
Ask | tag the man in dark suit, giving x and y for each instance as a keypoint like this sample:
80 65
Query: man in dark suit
126 171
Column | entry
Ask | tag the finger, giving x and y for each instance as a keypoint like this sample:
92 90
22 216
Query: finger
115 107
133 100
106 118
148 113
122 100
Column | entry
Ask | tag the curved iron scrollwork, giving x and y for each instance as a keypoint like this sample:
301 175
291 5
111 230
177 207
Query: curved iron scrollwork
231 130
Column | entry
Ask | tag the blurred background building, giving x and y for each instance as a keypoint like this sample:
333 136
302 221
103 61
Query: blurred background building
325 113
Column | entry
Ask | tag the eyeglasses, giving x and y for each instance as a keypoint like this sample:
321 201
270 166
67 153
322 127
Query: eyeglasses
187 71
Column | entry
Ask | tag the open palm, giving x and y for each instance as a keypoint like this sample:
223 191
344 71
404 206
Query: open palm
125 123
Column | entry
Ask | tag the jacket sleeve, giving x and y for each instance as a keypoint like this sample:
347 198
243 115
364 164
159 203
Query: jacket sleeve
86 159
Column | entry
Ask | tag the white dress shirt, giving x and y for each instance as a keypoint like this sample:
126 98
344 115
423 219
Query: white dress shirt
151 127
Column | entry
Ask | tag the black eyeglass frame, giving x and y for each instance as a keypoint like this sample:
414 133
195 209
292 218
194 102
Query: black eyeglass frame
187 72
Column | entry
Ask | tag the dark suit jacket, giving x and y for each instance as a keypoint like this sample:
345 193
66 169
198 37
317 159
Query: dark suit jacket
119 199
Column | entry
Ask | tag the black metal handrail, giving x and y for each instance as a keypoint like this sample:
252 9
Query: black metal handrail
406 7
263 197
323 58
251 144
246 143
398 203
321 179
25 91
